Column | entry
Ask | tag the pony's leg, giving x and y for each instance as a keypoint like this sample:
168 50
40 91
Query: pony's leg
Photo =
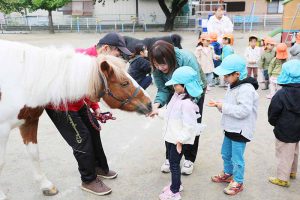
29 135
4 132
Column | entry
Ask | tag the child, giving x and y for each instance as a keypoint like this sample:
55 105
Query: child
181 125
227 46
252 55
140 68
218 51
266 58
239 113
295 49
205 54
284 115
226 51
275 68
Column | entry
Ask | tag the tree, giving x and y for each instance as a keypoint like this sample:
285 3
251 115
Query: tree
48 5
176 7
9 6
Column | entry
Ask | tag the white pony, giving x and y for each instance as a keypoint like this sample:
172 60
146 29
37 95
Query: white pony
32 77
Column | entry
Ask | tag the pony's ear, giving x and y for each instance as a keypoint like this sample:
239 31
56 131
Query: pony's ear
106 69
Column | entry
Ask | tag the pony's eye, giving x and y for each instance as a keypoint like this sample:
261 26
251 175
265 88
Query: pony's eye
124 84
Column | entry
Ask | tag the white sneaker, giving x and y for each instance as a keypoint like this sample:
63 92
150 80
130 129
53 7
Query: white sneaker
165 168
187 167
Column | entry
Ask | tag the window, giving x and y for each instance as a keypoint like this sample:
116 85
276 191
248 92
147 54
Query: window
275 7
236 6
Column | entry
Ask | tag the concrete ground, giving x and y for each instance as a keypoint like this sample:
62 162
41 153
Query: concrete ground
135 148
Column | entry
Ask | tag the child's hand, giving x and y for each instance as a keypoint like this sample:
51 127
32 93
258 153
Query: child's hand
179 147
219 105
212 103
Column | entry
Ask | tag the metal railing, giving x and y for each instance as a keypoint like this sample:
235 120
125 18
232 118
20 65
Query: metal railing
130 23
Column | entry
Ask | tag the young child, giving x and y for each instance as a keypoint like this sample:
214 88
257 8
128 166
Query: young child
227 46
218 51
252 55
275 68
226 51
239 113
295 49
181 125
205 54
140 67
284 115
266 58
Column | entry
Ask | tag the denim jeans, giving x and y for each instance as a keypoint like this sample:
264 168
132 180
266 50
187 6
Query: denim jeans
233 157
174 158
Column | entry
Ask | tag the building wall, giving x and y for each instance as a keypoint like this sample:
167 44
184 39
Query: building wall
149 10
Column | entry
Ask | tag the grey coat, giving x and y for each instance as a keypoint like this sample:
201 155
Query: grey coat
239 110
295 52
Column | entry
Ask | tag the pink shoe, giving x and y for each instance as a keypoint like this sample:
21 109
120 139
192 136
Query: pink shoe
168 188
169 195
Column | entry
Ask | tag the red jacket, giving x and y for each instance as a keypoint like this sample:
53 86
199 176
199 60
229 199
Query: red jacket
75 106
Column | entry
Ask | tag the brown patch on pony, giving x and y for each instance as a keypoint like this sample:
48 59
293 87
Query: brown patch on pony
29 128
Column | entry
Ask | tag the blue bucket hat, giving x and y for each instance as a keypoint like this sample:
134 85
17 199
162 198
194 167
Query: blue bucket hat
232 63
290 72
188 77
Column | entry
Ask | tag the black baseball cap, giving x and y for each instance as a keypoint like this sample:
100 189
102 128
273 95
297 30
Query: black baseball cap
116 40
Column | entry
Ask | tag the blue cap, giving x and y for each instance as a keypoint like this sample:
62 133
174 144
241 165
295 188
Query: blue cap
232 63
189 78
290 72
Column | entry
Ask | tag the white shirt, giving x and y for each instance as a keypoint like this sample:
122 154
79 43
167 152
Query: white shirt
221 27
252 56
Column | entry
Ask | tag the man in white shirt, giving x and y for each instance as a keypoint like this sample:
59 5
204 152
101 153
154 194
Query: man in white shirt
219 23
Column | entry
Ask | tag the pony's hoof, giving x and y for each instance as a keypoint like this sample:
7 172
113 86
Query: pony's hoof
50 192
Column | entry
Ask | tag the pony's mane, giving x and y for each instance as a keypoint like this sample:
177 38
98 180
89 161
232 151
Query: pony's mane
118 66
43 75
35 76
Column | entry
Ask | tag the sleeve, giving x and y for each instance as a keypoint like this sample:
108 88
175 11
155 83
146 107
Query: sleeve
198 54
258 55
189 122
271 66
228 28
93 105
262 61
210 25
163 93
146 66
246 54
244 104
275 109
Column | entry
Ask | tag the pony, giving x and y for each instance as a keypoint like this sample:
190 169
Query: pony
174 39
32 77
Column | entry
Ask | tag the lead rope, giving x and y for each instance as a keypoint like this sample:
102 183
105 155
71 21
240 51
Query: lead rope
91 119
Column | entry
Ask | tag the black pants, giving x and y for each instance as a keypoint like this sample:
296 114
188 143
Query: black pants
174 158
190 151
146 82
77 130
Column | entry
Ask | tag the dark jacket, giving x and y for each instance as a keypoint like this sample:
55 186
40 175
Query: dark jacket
218 51
284 113
139 68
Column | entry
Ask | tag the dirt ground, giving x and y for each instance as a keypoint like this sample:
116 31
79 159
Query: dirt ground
135 148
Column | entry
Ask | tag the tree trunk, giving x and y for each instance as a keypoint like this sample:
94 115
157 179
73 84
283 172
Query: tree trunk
169 25
50 24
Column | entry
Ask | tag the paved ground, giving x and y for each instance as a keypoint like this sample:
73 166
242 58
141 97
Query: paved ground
135 149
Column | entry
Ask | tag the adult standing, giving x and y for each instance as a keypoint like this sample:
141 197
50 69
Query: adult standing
219 23
74 122
165 58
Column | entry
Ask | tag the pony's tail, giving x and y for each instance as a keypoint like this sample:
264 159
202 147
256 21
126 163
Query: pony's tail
176 39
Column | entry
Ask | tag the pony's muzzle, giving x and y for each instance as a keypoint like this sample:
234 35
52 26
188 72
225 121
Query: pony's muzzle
144 108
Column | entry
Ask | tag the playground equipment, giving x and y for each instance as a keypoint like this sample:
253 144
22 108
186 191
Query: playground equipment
290 20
